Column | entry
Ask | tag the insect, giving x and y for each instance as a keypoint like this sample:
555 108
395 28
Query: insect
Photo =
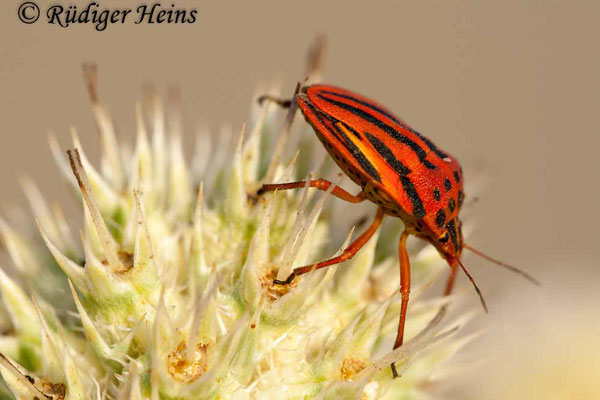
398 169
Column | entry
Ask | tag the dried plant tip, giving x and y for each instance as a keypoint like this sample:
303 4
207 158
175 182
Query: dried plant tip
316 58
108 244
90 75
283 136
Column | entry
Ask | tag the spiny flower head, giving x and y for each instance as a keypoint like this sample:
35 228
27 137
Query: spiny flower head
167 292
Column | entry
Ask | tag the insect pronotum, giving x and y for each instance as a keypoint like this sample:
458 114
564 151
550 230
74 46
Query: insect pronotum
398 169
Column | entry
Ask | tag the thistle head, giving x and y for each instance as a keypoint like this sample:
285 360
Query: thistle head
166 290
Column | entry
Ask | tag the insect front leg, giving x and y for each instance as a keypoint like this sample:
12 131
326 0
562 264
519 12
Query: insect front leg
404 292
284 103
348 253
320 184
451 279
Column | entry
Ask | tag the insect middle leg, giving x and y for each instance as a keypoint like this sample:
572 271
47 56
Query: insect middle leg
404 292
347 254
320 184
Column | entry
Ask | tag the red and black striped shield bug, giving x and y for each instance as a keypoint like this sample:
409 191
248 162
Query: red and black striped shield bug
398 169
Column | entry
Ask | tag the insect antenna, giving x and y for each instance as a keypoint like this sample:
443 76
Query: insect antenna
504 265
483 303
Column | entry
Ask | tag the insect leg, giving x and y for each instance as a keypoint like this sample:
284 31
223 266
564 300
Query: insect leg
451 279
348 253
284 103
404 292
320 184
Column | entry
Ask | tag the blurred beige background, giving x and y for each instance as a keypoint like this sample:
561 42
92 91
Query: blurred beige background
511 88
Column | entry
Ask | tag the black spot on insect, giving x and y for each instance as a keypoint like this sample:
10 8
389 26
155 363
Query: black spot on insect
444 238
418 230
440 218
420 225
436 194
451 205
456 176
447 184
429 165
461 198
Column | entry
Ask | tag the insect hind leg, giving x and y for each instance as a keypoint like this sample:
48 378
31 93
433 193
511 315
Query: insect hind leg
405 293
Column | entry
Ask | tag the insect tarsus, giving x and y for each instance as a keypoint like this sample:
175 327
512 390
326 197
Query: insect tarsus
287 281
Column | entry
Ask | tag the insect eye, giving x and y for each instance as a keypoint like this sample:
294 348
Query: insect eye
444 238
